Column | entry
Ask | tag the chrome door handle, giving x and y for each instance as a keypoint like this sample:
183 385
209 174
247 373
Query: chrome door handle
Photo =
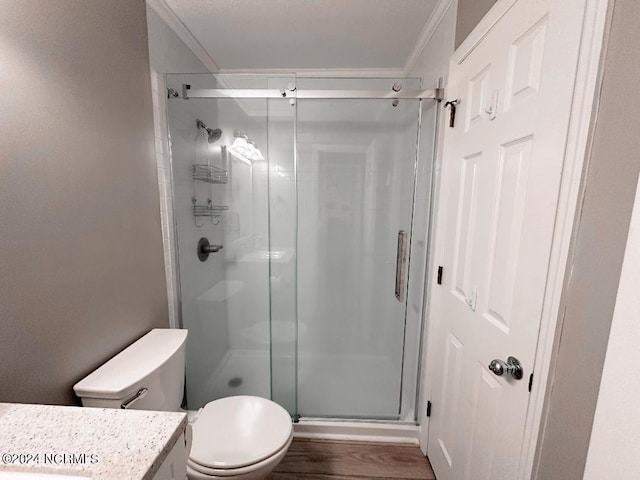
401 266
513 367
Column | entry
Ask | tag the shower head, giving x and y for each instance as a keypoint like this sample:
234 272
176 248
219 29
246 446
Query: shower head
213 134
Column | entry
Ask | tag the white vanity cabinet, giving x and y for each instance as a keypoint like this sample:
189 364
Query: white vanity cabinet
174 466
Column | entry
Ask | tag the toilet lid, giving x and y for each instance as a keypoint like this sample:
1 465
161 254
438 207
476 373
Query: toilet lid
234 472
237 431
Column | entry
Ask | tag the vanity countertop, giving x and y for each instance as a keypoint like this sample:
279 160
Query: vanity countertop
97 443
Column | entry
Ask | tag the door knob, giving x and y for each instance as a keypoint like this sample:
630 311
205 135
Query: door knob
513 367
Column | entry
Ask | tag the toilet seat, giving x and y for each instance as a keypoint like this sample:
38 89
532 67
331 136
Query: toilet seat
258 467
237 434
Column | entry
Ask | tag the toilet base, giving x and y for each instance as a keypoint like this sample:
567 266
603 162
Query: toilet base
255 475
262 468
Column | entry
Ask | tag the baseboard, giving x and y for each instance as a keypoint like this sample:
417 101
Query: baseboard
356 431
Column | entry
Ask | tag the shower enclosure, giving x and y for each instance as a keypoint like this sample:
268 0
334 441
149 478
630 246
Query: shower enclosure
294 213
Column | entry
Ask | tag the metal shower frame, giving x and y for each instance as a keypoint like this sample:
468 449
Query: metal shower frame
294 93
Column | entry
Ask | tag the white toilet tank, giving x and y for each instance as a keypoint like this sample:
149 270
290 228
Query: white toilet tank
147 375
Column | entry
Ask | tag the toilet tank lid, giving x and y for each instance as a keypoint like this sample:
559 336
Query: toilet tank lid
116 377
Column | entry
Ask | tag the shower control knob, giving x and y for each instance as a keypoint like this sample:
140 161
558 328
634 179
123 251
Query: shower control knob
205 248
512 367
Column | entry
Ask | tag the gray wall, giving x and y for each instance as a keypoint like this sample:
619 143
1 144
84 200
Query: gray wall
470 12
603 226
80 241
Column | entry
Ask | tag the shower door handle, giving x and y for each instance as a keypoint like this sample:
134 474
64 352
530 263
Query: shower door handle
401 266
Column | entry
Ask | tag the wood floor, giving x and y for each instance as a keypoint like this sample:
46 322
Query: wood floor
340 460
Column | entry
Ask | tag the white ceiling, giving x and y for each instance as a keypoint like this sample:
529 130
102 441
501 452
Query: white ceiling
305 34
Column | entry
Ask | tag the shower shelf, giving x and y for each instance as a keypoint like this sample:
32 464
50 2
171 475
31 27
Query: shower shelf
208 210
209 174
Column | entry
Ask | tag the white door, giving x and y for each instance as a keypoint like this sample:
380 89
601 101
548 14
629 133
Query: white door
501 175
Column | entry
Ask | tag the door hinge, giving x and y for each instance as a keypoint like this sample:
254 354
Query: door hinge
530 381
428 408
440 275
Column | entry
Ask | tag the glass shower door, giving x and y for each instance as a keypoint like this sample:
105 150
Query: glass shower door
305 303
232 163
355 186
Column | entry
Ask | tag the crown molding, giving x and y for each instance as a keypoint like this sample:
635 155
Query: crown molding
174 22
427 32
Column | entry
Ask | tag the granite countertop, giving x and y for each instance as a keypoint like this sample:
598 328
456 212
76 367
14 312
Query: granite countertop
97 443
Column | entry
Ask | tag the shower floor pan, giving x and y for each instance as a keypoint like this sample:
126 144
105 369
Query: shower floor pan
329 385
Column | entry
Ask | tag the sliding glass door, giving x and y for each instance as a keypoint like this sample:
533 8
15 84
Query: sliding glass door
355 186
310 201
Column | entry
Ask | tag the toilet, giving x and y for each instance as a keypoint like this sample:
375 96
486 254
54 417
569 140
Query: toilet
242 437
